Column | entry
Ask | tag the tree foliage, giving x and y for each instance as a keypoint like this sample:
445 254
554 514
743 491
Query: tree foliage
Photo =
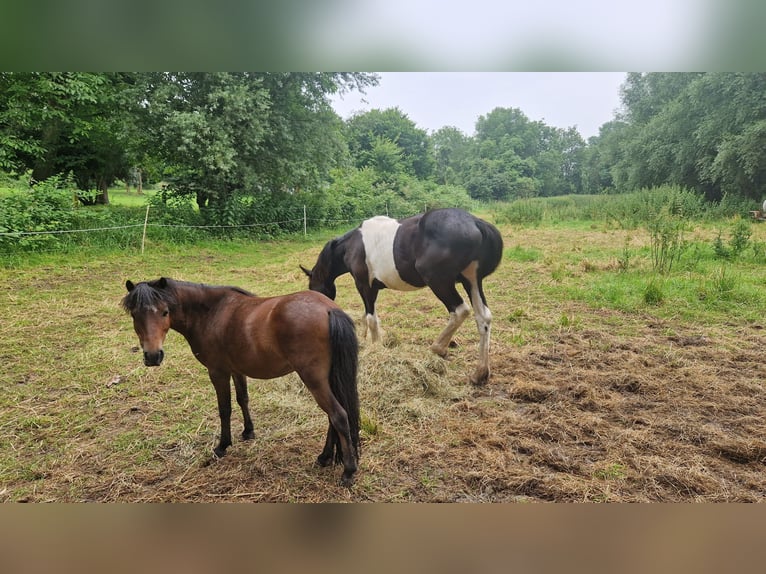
244 146
53 123
702 131
513 157
372 129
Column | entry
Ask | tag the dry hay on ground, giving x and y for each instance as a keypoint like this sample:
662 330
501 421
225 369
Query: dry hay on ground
586 416
612 407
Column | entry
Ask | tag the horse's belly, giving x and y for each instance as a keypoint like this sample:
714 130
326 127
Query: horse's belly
378 236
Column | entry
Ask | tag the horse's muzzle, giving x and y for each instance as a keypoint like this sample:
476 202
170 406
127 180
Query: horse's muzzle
154 359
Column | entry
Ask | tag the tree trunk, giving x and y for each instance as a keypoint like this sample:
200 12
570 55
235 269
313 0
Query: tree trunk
103 197
140 182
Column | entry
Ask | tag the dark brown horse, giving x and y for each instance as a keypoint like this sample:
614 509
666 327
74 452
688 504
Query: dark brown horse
237 335
437 249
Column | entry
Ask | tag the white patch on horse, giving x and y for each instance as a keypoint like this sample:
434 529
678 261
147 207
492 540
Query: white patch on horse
378 237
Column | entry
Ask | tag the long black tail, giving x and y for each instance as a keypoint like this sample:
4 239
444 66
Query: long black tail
491 247
343 372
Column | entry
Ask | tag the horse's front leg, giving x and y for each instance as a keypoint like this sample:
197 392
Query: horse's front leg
221 383
243 400
371 322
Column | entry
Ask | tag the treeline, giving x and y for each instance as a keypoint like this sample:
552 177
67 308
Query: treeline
244 147
704 132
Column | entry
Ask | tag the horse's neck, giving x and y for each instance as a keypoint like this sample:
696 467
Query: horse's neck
335 266
196 306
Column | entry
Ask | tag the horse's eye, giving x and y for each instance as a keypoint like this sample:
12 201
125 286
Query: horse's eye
165 313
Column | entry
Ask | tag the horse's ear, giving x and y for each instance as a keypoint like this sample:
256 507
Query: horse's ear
306 271
162 283
129 285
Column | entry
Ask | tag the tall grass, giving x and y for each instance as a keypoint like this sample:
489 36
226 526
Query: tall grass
624 211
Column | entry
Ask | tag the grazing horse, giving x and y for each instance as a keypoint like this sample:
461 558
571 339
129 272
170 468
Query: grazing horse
238 335
438 248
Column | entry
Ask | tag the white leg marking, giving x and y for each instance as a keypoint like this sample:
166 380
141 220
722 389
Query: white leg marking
456 319
373 326
483 317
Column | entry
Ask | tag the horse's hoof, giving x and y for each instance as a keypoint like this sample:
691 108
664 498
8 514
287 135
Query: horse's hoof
219 453
208 461
441 351
324 461
248 435
479 378
347 481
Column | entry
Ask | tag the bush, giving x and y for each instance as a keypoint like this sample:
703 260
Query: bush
356 194
27 214
739 240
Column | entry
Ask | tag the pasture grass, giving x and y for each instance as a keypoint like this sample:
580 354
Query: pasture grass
120 196
610 382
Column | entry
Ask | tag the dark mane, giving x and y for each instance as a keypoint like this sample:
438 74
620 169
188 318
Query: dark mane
147 294
150 293
330 262
323 267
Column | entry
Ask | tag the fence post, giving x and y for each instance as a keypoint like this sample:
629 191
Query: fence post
304 221
143 238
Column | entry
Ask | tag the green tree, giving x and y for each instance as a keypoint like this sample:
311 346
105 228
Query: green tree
58 123
603 153
226 136
514 157
452 151
368 129
699 131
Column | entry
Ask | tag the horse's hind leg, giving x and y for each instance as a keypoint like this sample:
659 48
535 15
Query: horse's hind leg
330 452
483 317
338 425
458 312
243 400
444 339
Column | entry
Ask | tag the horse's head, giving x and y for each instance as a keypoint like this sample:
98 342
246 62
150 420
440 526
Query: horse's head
317 283
149 303
329 265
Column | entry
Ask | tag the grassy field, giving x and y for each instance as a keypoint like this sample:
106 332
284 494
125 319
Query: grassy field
609 383
119 196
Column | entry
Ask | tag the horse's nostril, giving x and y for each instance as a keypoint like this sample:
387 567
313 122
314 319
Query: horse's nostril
153 359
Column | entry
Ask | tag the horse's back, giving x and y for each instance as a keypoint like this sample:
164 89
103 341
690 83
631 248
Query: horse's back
298 312
460 237
292 330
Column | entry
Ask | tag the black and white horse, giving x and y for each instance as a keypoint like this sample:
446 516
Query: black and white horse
437 249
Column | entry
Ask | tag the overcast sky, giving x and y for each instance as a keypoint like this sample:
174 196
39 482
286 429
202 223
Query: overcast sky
432 100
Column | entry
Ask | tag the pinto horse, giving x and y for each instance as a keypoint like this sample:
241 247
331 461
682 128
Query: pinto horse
437 249
238 335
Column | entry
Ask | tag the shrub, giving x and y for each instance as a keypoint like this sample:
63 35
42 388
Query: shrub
654 293
27 214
